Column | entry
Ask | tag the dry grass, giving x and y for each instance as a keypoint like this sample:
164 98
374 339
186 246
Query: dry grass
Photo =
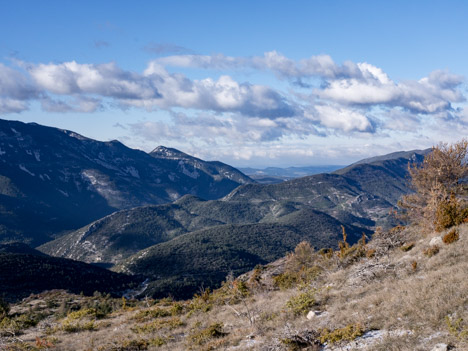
402 293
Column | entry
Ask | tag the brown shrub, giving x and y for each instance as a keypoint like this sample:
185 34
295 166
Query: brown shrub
431 251
407 247
438 186
450 212
451 236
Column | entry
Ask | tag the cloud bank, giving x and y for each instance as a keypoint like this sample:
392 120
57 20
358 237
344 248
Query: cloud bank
322 97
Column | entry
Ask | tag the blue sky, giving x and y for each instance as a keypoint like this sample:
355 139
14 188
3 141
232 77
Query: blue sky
250 83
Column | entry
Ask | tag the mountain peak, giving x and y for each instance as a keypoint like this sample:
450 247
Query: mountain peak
167 153
49 173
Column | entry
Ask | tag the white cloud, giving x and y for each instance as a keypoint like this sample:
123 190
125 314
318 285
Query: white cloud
81 104
105 79
232 129
334 99
349 83
8 105
156 88
340 118
400 120
15 85
353 91
222 95
15 90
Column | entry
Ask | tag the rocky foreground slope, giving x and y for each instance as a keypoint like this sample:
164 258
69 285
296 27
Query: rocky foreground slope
401 291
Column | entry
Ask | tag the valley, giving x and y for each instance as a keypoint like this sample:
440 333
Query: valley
167 260
53 180
220 223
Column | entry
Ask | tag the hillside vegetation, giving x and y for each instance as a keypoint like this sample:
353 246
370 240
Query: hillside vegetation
24 271
405 289
204 258
53 180
401 291
192 242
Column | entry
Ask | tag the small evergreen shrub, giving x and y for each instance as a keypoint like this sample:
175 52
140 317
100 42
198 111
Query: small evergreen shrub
152 313
132 345
348 333
457 327
302 303
75 327
16 324
158 324
4 308
76 321
290 279
214 331
305 340
201 302
177 309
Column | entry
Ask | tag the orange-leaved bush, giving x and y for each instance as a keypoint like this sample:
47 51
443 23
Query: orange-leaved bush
440 187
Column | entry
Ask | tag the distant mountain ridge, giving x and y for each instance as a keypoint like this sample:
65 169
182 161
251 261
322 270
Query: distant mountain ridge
179 267
313 208
159 241
273 175
114 238
53 180
411 156
122 201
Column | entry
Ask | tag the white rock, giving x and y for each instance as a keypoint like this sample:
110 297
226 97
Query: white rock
437 240
440 347
313 314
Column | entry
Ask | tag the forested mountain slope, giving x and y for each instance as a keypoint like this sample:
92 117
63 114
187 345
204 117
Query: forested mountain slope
53 180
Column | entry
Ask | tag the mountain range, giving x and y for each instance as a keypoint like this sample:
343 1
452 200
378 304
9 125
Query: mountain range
178 221
273 175
53 180
190 242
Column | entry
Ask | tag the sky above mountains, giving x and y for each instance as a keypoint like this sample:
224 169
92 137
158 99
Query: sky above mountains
250 83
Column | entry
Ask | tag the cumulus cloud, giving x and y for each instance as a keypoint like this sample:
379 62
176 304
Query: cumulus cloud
221 95
341 118
81 104
157 88
106 80
431 94
15 90
333 99
15 85
214 130
349 83
8 105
